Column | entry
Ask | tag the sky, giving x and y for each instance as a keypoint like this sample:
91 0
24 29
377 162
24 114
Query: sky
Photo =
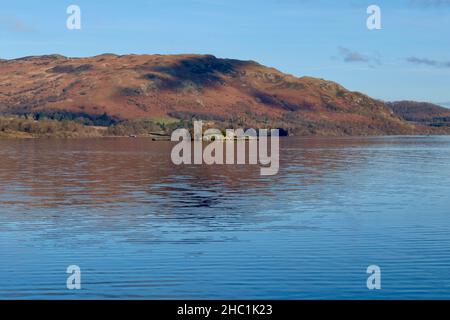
408 58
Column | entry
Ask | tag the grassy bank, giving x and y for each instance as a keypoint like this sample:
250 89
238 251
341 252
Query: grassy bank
63 126
23 127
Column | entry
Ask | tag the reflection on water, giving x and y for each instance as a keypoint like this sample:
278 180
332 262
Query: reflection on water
140 227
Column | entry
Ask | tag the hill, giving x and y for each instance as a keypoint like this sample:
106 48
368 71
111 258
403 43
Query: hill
422 113
107 90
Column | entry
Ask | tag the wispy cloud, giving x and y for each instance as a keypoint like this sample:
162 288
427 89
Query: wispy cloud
14 24
429 62
352 56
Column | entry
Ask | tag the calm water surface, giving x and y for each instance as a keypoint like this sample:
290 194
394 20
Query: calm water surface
140 227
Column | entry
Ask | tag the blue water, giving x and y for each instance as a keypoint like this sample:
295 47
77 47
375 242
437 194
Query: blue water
142 228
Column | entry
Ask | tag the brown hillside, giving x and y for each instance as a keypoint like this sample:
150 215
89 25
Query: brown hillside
421 112
228 91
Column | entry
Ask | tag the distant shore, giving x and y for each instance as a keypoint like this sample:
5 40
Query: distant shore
28 127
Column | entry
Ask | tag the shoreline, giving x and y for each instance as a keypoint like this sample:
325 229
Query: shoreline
167 139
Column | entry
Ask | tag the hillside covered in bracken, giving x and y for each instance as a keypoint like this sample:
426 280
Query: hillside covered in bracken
171 90
422 113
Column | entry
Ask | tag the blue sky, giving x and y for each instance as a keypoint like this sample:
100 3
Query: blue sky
409 58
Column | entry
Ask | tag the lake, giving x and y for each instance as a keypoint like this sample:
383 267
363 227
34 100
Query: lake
140 227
